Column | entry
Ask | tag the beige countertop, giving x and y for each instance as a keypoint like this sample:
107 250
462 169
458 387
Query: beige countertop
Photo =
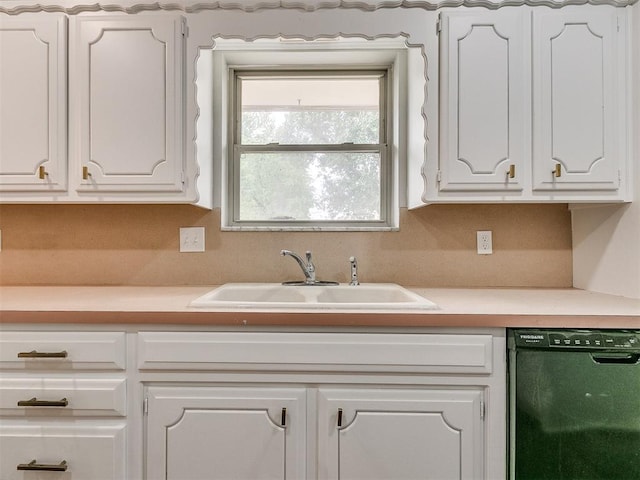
482 307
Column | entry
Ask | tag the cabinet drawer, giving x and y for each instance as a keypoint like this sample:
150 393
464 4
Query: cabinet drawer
422 353
62 350
62 397
89 453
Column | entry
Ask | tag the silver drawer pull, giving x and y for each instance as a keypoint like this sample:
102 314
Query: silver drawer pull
36 354
33 465
34 402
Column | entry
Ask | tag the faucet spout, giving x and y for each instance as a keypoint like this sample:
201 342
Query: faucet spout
308 268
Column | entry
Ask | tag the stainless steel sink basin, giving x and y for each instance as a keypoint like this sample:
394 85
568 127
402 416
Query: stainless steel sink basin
270 296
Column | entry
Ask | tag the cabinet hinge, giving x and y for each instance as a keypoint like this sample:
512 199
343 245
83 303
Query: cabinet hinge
619 178
439 24
439 176
145 406
483 410
184 28
182 180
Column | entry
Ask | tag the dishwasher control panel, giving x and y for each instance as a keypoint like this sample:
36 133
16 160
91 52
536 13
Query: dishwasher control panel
578 339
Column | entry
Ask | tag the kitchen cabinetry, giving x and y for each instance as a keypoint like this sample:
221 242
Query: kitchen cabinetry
126 110
484 101
533 105
129 95
93 452
187 403
62 404
259 432
400 433
577 100
225 432
323 405
33 104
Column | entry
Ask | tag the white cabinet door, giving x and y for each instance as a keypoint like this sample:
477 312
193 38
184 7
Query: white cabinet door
242 433
33 104
129 86
484 104
396 434
576 99
84 452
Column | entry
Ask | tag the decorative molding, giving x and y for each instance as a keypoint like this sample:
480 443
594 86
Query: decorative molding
401 40
302 5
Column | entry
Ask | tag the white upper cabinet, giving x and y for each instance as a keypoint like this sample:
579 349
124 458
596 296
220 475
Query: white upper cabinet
532 105
33 104
119 136
484 105
129 88
576 100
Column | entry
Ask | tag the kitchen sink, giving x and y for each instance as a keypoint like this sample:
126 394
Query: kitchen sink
269 296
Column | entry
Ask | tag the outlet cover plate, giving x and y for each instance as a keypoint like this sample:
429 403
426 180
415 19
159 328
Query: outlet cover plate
192 239
485 242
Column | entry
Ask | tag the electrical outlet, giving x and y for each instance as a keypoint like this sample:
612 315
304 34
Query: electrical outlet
485 243
192 239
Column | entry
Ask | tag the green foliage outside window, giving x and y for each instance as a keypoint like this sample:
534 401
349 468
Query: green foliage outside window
303 186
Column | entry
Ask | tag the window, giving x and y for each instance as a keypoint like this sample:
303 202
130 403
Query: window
309 148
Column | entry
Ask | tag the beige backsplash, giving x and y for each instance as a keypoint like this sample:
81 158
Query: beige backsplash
138 245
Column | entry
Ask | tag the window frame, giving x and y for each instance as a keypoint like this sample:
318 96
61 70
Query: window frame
383 147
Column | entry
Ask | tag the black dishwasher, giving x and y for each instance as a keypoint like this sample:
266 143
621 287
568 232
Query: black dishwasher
574 406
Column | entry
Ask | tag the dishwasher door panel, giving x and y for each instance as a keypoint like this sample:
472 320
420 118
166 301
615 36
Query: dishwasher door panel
576 414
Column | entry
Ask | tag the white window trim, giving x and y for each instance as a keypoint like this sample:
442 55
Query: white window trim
381 147
361 53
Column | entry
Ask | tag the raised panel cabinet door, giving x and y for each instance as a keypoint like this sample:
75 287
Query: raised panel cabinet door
63 451
575 100
400 434
219 433
33 104
130 90
484 101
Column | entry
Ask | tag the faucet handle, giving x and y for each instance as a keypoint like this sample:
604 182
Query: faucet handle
310 266
354 271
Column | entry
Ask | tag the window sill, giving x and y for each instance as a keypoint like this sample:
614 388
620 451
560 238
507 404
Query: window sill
297 228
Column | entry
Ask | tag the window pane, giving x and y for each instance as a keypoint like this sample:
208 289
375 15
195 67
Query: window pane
310 110
310 186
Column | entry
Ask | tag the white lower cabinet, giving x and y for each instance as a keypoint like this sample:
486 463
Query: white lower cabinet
249 433
218 433
426 416
400 434
63 405
187 404
57 451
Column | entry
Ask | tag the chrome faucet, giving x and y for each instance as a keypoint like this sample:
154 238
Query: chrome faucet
354 271
308 268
